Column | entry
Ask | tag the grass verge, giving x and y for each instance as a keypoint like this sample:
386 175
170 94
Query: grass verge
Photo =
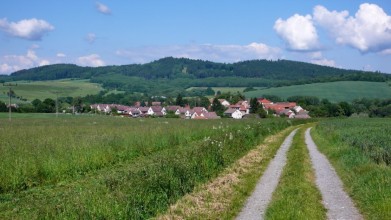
296 196
368 183
224 196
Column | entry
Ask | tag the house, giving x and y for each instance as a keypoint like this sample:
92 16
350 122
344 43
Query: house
286 112
224 102
134 112
264 101
143 110
156 111
297 109
172 108
302 115
234 113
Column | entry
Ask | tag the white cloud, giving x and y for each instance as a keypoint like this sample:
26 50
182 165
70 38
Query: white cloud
61 55
30 29
369 30
298 32
93 60
324 62
218 53
91 37
12 63
44 62
103 8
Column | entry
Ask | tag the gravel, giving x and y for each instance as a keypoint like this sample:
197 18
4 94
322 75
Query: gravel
257 203
337 202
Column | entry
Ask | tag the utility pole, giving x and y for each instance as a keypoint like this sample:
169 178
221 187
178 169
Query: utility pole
9 94
56 103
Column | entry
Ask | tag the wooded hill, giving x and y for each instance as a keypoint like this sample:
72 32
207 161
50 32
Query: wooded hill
172 75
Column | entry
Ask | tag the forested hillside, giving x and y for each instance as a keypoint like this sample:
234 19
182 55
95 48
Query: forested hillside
170 75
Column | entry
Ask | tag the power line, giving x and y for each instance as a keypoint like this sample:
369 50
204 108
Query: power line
10 85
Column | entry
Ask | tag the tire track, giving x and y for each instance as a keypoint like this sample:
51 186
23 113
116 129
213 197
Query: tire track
257 203
337 202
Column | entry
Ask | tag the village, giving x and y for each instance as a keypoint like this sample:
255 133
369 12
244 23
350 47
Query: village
238 110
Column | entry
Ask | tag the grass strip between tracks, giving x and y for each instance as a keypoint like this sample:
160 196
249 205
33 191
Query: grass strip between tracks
296 196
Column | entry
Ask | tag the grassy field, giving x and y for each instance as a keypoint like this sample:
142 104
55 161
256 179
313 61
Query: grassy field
360 150
333 91
46 89
116 168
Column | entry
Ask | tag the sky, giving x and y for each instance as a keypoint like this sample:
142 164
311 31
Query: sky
348 34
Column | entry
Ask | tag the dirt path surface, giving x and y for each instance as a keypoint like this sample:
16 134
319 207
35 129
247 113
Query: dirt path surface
335 199
256 204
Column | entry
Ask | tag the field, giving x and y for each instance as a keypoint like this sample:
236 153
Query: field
106 167
31 90
333 91
360 151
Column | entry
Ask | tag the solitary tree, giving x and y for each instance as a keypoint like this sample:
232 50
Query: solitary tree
179 100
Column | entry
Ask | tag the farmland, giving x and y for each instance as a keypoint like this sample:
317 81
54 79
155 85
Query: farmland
104 167
333 91
31 90
360 152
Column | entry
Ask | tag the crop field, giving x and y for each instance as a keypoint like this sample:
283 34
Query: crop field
31 90
360 151
333 91
116 168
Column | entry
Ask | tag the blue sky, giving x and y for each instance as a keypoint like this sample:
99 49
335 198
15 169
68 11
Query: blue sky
348 34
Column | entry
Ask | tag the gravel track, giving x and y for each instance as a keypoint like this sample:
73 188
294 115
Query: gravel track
257 203
335 199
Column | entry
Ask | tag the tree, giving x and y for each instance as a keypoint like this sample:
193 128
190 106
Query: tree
204 102
254 105
218 107
3 107
179 100
36 102
77 104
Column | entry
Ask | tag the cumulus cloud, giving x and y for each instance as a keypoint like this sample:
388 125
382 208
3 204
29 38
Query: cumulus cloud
103 8
91 37
12 63
369 30
93 60
30 29
61 55
218 53
324 62
298 32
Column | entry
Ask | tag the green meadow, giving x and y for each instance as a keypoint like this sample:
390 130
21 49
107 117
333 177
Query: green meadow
92 167
333 91
31 90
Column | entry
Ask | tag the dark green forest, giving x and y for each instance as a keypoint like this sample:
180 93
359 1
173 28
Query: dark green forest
169 76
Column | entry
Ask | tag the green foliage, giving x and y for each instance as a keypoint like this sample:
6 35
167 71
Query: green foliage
3 107
168 76
369 135
96 170
359 150
218 107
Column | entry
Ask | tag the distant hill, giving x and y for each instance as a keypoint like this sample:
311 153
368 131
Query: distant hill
172 75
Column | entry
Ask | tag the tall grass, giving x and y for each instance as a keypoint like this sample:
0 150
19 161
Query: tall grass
115 168
358 151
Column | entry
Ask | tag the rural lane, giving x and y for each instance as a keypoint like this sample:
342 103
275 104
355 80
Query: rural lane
335 199
257 203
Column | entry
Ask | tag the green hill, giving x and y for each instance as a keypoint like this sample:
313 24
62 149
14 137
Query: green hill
170 76
30 90
333 91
